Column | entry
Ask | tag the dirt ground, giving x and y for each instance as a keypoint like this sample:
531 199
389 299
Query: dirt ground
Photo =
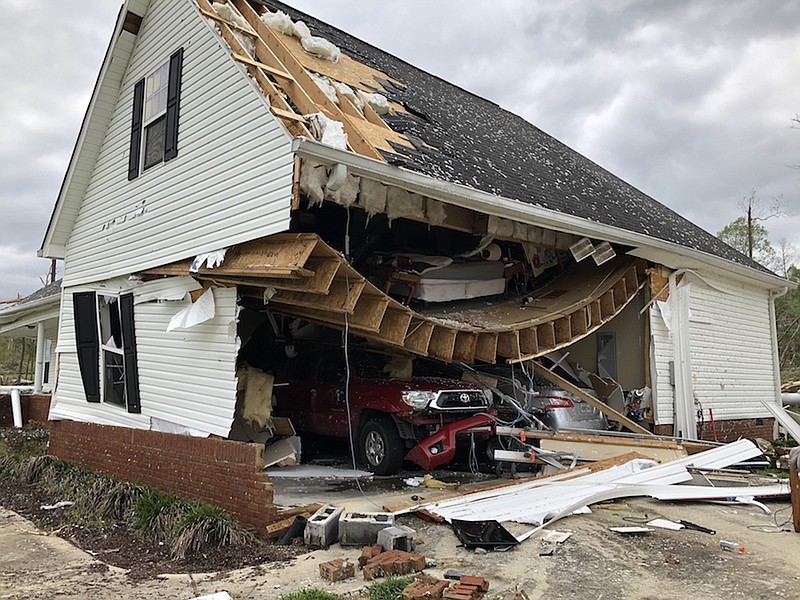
594 563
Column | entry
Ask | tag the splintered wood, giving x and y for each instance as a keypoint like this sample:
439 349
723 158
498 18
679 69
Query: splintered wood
306 278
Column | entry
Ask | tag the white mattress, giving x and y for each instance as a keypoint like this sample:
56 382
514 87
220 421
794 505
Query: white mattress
462 281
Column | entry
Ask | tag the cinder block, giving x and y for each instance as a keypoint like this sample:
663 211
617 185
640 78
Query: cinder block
337 569
361 529
398 537
322 528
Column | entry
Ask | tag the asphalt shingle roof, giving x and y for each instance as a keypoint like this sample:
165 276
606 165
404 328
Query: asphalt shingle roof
475 142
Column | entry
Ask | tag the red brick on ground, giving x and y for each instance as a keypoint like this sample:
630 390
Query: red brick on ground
337 569
393 562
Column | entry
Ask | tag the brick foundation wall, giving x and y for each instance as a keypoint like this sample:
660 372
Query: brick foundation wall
729 431
35 408
220 472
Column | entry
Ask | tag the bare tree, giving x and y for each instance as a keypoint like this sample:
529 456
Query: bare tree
756 212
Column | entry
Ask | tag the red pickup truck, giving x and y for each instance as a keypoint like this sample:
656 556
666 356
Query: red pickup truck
394 401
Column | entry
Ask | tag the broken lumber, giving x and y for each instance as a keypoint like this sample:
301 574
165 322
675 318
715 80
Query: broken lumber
589 399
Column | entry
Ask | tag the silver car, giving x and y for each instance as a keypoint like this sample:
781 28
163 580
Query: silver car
520 394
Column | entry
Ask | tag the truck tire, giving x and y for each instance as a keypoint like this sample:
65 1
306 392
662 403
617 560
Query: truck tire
380 446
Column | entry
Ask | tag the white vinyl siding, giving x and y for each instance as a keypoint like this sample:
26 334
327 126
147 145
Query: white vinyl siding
231 181
187 377
732 360
730 351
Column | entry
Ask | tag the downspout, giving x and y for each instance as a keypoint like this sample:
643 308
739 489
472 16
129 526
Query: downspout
776 357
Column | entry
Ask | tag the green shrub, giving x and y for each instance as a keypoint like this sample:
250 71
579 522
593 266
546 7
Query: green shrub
109 498
310 594
156 514
390 588
204 525
9 466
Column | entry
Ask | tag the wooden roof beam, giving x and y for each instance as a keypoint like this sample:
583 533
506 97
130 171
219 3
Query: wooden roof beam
304 87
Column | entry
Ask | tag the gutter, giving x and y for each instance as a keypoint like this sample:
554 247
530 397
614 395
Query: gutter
499 206
17 309
776 357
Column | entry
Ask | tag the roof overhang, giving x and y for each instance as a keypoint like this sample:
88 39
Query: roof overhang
668 253
93 129
20 319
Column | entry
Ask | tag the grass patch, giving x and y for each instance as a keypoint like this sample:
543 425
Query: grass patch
310 594
390 588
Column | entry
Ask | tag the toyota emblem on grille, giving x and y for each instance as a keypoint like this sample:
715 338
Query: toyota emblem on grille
464 397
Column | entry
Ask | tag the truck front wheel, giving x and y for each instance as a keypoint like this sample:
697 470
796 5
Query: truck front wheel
381 448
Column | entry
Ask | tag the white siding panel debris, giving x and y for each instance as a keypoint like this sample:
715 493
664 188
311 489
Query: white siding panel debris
231 181
546 500
730 351
186 377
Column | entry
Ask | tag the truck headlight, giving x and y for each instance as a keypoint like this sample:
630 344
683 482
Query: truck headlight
418 400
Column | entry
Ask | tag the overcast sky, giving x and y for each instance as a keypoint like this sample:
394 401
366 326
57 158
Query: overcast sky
690 101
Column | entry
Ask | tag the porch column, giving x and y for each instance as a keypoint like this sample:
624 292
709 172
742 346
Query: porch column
38 376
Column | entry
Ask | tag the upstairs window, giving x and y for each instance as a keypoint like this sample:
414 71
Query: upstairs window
154 123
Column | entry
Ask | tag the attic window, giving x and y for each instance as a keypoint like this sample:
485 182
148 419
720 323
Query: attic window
154 123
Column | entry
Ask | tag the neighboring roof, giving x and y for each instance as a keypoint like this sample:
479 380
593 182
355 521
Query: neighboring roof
467 140
41 305
51 290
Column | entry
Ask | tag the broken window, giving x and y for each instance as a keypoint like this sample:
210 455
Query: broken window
154 124
106 345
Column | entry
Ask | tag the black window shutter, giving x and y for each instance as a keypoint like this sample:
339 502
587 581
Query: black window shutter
173 105
136 130
129 350
84 308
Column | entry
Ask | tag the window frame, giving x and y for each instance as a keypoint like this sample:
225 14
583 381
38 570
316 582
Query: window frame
93 348
172 71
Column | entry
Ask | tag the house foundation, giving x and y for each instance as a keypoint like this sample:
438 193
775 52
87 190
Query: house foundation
35 409
220 472
728 431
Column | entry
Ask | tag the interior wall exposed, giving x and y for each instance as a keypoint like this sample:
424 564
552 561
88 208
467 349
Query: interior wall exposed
629 329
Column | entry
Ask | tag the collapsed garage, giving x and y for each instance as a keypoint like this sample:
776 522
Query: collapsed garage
309 235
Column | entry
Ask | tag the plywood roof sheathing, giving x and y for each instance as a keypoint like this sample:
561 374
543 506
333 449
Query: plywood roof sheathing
303 91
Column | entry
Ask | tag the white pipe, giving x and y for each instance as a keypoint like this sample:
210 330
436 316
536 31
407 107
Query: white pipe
16 408
38 376
792 399
16 400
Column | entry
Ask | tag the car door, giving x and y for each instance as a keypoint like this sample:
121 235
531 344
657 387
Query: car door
328 396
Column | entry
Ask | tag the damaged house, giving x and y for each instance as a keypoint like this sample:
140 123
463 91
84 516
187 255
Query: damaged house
249 180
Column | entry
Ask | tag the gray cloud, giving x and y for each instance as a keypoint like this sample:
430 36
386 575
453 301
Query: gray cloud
689 101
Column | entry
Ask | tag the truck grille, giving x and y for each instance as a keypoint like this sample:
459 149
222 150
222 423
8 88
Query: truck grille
460 400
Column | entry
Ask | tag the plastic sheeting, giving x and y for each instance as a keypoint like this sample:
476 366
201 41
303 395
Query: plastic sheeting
198 312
